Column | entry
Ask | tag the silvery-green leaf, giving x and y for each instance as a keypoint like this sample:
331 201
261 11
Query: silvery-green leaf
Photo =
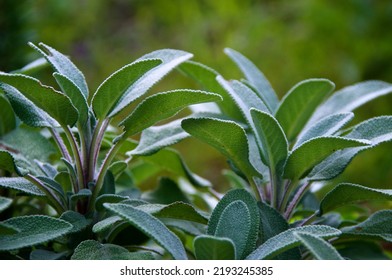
209 247
320 249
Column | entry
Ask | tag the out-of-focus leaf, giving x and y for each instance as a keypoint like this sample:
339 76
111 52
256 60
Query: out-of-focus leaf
209 247
7 116
362 250
46 255
166 192
4 203
7 162
299 104
320 249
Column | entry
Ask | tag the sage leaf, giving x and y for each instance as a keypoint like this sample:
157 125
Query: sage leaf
287 240
209 247
4 203
256 78
346 193
20 184
152 227
302 159
7 162
7 116
78 221
321 249
299 104
33 230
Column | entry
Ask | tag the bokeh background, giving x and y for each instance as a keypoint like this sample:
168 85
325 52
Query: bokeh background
345 41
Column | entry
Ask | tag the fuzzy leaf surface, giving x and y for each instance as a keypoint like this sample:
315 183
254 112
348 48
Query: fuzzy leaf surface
7 162
209 247
320 249
226 136
20 184
33 230
152 227
256 78
305 157
299 104
287 240
347 193
163 105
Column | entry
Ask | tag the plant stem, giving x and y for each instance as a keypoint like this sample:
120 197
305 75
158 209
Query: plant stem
56 203
60 144
296 199
288 190
95 146
255 190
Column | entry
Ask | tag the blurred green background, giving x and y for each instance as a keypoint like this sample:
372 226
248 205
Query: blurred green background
345 41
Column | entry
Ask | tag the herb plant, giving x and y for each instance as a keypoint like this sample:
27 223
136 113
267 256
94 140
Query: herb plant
278 150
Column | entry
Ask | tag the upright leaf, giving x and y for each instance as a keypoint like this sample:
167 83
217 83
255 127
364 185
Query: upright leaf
299 104
226 136
209 247
319 248
305 157
287 240
256 78
32 230
152 227
346 193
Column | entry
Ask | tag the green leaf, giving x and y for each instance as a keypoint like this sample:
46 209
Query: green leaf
7 162
64 66
363 250
166 192
319 248
209 247
378 224
7 229
287 240
156 138
7 116
53 102
32 67
302 159
273 139
226 136
33 230
347 193
46 255
161 106
299 104
26 110
93 250
4 203
325 127
256 79
106 223
152 227
20 184
377 130
352 97
207 78
73 92
78 221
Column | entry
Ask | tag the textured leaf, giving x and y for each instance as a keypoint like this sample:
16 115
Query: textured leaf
20 184
377 130
93 250
73 92
209 247
347 193
319 248
225 136
78 221
377 225
152 227
256 78
305 157
299 104
106 223
7 162
32 230
287 240
352 97
274 142
26 110
206 77
156 138
4 203
63 65
161 106
325 127
7 116
46 98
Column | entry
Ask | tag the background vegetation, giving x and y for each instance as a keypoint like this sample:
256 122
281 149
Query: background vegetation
344 41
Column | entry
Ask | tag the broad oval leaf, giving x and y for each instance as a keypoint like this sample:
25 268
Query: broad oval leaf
209 247
347 193
299 104
226 136
53 102
305 157
20 184
163 105
152 227
287 240
256 78
377 225
33 230
4 203
7 116
321 249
